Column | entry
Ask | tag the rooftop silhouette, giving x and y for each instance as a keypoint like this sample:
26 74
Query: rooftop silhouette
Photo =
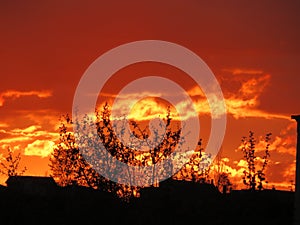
173 202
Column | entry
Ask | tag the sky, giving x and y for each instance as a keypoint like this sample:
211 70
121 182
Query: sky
252 48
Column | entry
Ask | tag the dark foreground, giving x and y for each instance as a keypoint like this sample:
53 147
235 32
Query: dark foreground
173 202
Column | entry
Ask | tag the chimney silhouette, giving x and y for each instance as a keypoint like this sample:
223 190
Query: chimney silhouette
297 189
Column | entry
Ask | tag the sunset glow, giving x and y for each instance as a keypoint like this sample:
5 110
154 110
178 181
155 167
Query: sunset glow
252 49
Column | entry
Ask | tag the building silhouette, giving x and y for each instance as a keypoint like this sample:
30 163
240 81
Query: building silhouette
32 185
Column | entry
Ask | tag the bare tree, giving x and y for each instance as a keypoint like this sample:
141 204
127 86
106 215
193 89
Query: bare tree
254 177
66 163
197 169
68 166
10 165
220 174
158 149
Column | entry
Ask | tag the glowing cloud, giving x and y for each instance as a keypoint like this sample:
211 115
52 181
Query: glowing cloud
14 140
17 94
284 143
196 91
242 103
245 103
3 125
41 148
238 71
29 129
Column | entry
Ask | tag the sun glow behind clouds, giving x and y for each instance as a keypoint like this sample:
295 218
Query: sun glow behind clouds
242 103
151 108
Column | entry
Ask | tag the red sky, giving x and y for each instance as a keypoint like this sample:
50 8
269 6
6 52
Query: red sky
252 48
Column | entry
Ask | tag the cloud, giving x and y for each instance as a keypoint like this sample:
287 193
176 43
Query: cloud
254 86
196 92
233 169
241 103
29 129
242 100
145 109
281 179
281 165
41 148
245 102
13 94
11 140
290 171
3 125
238 71
242 163
243 93
152 107
31 140
30 132
284 143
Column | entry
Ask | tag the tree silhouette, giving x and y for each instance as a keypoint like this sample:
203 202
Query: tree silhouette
68 165
158 149
197 169
221 174
10 166
253 178
194 169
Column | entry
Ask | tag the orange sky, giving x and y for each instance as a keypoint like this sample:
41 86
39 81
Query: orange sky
252 48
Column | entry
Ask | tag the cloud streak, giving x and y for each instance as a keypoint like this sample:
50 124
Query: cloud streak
239 71
241 102
14 94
